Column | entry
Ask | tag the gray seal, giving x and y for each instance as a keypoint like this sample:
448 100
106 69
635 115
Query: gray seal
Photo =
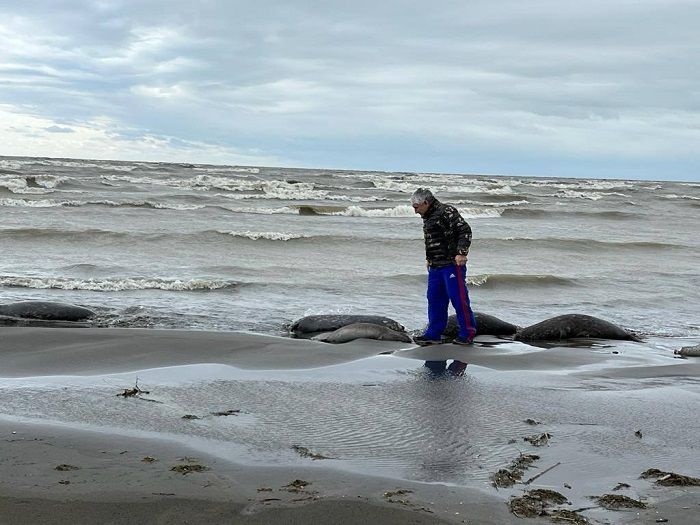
485 325
362 331
313 324
46 311
571 326
689 351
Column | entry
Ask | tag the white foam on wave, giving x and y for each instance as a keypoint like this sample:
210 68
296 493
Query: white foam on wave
20 183
492 204
270 236
578 184
673 196
401 211
52 203
115 284
301 195
358 211
593 196
272 189
233 169
466 186
36 203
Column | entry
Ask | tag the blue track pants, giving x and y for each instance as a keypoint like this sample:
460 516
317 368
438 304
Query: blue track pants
445 285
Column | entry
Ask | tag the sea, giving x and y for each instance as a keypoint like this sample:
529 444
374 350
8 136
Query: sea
239 248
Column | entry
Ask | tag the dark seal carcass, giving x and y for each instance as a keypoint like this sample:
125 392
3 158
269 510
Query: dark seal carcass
689 351
314 324
573 326
46 314
362 331
47 311
485 325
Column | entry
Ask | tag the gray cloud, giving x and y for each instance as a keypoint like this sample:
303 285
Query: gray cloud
589 82
59 129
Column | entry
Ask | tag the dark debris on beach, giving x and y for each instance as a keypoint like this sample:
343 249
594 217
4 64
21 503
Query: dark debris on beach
539 503
223 413
508 477
65 467
188 469
297 485
670 479
306 453
618 501
538 440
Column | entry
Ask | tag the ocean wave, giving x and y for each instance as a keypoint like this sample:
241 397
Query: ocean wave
401 211
593 196
268 236
468 186
498 280
580 185
583 244
273 189
231 169
57 233
53 203
673 196
38 184
504 280
535 213
116 284
503 204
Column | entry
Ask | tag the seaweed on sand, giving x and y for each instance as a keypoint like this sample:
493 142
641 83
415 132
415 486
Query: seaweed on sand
507 477
64 467
538 502
538 440
618 501
567 516
187 469
306 453
670 479
297 485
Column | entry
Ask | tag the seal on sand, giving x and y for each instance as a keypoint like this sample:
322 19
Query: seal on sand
572 326
485 325
362 331
689 351
47 311
313 324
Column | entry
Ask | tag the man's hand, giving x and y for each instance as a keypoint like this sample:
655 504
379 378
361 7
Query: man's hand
461 260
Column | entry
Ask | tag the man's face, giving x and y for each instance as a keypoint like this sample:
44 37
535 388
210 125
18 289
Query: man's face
421 208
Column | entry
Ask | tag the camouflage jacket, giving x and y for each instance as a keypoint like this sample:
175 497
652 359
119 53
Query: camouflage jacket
446 234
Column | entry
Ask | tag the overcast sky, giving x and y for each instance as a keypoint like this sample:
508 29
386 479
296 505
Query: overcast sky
598 88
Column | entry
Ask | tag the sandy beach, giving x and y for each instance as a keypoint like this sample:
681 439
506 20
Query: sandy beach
249 417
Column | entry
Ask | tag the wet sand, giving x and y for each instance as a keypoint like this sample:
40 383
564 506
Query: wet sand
396 427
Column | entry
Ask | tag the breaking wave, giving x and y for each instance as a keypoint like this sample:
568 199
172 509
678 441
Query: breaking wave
31 184
593 196
53 203
504 280
673 196
583 244
397 211
494 281
269 236
117 284
534 213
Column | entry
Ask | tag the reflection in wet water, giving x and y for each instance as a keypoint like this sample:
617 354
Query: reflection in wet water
426 421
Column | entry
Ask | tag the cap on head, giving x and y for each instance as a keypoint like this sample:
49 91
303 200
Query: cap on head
422 195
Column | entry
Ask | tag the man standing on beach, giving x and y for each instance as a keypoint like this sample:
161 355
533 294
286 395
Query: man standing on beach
447 240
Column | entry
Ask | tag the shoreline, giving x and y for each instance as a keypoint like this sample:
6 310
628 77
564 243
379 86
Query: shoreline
110 474
72 375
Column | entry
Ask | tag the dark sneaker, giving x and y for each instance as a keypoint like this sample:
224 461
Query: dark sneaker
421 340
457 368
462 341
